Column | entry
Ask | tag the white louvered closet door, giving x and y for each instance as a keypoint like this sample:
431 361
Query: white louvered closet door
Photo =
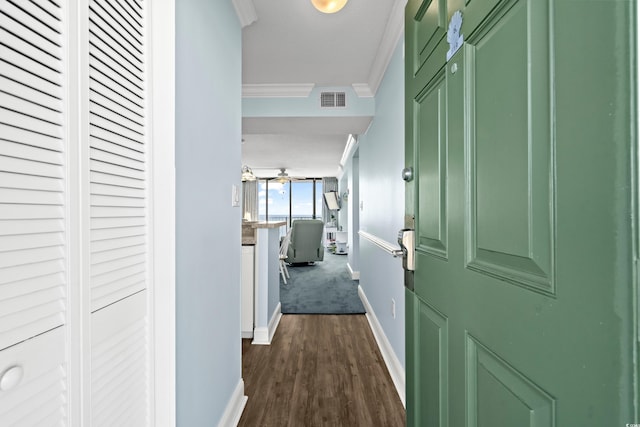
33 213
42 203
119 215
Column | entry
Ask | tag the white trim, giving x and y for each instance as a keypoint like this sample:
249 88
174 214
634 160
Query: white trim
233 411
83 196
162 295
394 366
389 248
274 321
392 33
349 148
263 335
246 11
363 90
293 90
78 320
355 275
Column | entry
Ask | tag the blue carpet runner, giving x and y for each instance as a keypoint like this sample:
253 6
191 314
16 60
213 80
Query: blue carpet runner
325 287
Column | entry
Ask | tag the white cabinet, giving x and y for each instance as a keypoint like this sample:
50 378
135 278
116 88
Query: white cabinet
248 277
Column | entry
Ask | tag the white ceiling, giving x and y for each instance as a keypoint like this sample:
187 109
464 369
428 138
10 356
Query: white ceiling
290 42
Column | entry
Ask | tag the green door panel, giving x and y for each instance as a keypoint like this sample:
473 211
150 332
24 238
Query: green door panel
502 396
425 37
431 128
475 11
428 333
511 207
523 149
431 26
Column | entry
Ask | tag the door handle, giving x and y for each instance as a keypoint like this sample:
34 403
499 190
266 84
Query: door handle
11 377
407 242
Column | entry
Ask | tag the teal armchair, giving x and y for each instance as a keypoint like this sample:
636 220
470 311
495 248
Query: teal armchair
306 241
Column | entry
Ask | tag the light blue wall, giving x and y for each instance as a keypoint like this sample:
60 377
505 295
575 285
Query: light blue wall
274 272
309 106
381 152
208 133
343 185
353 213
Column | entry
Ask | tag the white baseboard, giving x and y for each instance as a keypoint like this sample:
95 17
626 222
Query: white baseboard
263 335
233 411
247 334
275 321
355 275
394 366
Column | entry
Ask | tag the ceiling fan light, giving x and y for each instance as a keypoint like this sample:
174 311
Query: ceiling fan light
247 174
329 6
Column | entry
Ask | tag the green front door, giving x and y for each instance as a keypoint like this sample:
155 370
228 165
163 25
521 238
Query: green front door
523 201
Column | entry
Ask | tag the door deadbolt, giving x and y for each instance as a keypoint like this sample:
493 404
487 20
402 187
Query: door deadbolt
407 174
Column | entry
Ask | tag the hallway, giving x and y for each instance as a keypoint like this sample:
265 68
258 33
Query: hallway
320 370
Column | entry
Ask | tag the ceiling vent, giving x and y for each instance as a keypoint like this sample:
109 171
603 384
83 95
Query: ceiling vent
333 99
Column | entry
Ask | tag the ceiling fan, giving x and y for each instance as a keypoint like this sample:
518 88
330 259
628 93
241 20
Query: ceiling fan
283 177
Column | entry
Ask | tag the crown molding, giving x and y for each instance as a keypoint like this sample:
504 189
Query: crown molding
362 90
294 90
246 11
392 33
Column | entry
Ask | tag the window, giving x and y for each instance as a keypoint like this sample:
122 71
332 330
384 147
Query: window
302 200
278 201
318 199
289 201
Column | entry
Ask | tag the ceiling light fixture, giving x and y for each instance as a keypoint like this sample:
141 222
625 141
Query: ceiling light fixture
329 6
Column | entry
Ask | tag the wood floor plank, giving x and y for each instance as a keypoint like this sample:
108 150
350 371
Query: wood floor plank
320 370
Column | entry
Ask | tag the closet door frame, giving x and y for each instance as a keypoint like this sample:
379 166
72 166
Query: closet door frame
163 207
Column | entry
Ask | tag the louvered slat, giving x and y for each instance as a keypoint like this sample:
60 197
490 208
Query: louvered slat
133 106
118 181
115 121
9 149
40 27
29 167
31 256
32 285
108 190
119 363
25 241
32 171
131 239
107 239
15 134
106 155
125 252
26 92
30 212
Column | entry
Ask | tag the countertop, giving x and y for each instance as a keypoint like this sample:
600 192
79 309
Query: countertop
249 229
268 224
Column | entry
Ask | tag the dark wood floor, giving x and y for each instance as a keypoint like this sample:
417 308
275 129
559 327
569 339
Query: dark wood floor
320 370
